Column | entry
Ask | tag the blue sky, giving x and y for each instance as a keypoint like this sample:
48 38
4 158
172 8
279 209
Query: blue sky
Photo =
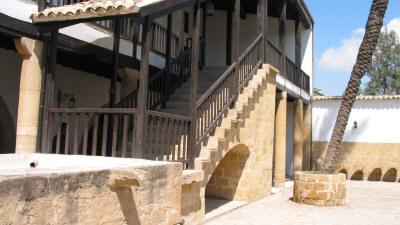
338 31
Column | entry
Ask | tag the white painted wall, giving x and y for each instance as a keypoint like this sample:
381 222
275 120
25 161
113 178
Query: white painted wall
307 62
289 139
290 43
378 121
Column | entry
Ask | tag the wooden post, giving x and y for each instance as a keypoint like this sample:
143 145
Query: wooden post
236 35
193 85
141 122
229 34
135 39
265 30
298 50
282 38
49 86
113 83
204 31
167 62
260 23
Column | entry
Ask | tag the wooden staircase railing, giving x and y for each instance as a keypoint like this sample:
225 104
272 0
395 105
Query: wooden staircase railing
215 102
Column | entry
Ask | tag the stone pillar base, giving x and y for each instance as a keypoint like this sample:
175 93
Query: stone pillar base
319 189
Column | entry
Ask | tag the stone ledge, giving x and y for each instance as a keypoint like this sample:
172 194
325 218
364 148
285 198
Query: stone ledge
190 176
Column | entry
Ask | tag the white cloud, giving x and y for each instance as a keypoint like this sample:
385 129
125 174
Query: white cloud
342 58
394 25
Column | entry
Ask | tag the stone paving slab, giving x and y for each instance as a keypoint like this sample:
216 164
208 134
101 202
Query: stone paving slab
366 203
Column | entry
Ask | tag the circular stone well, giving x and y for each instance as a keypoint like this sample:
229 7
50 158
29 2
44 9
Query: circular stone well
319 189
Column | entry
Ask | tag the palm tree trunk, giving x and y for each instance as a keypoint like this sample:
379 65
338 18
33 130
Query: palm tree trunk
364 57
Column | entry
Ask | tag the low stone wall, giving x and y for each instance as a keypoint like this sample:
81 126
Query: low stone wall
192 197
365 161
89 190
319 189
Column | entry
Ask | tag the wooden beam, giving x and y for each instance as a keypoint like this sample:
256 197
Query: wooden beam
298 44
282 37
115 63
49 86
236 43
204 31
167 60
261 22
266 36
193 85
229 35
141 120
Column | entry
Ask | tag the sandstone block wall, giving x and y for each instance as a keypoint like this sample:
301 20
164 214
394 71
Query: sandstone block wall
145 195
365 161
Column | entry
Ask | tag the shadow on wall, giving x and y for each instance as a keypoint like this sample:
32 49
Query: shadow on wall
7 129
224 181
358 175
128 205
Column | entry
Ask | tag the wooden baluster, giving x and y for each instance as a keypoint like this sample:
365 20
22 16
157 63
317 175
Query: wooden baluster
105 136
185 136
49 133
180 138
168 135
68 119
125 136
114 136
163 136
157 149
151 131
95 131
85 133
59 125
76 136
174 141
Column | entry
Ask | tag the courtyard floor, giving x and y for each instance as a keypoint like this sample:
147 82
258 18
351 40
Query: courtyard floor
366 203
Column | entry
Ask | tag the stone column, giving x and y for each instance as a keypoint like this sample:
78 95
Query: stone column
129 80
280 139
307 137
298 136
29 93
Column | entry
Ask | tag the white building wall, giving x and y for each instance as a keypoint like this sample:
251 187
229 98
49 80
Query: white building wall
290 43
378 121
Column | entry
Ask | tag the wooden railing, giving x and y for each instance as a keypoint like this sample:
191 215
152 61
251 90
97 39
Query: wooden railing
216 100
293 73
159 32
167 137
103 132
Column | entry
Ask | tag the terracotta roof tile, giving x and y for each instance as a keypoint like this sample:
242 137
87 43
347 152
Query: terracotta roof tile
90 9
360 97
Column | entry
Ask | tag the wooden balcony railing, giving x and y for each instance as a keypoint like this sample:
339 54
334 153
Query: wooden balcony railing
293 73
216 100
159 32
110 132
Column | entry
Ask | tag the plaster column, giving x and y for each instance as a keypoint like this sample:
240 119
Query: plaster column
298 136
29 93
280 139
307 137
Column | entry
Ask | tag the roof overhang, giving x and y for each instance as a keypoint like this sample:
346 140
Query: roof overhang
94 10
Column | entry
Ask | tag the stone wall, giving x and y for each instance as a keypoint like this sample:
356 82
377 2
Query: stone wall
144 194
365 161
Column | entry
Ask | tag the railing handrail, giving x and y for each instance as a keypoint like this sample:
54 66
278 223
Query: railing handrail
251 46
93 110
168 115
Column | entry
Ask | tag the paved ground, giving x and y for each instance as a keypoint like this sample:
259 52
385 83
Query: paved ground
366 203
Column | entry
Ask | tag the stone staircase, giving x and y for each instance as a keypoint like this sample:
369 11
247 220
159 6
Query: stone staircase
178 102
217 145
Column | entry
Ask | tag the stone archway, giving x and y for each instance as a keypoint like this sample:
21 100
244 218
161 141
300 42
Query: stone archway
7 129
390 175
224 182
358 175
375 175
